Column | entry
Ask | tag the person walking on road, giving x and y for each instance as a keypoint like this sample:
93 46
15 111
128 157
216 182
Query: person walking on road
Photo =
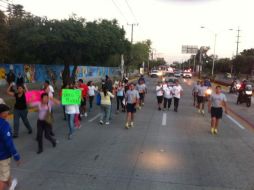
178 93
20 109
132 100
159 94
215 106
7 150
201 97
91 93
71 111
105 105
84 88
120 96
142 90
45 120
195 93
167 96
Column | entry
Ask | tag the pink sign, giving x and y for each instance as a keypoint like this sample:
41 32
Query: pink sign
33 96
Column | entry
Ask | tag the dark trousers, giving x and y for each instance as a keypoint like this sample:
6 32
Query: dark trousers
44 127
23 115
167 101
176 103
91 101
119 100
64 112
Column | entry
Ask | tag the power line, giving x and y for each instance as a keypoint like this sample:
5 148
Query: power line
119 10
131 10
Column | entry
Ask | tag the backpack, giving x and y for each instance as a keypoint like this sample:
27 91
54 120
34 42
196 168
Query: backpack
98 99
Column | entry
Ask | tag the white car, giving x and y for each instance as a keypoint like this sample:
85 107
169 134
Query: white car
187 75
156 73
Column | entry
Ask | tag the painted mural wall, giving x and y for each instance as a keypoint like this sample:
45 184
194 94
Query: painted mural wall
40 73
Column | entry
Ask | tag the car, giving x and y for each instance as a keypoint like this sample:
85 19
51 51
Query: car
177 74
156 73
172 81
187 75
166 76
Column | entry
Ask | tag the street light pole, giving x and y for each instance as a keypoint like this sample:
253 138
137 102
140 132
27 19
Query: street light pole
214 49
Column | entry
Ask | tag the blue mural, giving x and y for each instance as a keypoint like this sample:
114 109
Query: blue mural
40 73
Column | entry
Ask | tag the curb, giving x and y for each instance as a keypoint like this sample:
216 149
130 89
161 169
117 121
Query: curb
242 118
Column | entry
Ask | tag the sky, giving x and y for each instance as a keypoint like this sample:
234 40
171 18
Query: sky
168 23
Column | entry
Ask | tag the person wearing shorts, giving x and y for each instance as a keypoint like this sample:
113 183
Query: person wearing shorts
215 106
7 150
201 97
141 88
132 99
159 95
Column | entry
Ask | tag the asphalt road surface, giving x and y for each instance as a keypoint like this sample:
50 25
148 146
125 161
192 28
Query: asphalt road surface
164 151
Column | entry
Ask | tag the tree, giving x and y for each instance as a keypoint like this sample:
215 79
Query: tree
4 46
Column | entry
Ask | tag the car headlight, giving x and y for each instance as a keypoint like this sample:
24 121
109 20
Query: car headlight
248 92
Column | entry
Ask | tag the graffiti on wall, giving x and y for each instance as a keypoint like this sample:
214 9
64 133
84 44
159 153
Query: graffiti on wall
40 73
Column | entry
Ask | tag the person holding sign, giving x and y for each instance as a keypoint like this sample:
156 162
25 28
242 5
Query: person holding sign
71 107
45 120
20 109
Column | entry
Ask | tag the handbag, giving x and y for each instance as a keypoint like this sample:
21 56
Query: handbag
98 99
49 116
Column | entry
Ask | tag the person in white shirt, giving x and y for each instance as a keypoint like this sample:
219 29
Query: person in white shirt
159 94
167 95
141 88
201 97
91 93
177 92
195 92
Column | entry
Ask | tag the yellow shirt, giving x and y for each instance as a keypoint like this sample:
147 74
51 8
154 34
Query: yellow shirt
105 100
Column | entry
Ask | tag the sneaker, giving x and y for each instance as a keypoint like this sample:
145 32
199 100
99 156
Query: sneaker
82 115
199 111
132 124
215 131
143 104
69 137
14 183
203 112
139 107
127 125
101 122
212 130
107 123
85 114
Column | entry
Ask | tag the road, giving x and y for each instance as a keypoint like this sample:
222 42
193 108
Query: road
165 150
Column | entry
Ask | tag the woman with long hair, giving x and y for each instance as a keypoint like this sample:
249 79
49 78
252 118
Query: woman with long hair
120 96
105 105
44 122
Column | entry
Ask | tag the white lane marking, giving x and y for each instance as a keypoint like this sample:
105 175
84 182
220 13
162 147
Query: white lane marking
95 117
164 119
236 122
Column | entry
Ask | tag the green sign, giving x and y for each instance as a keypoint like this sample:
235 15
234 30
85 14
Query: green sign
71 97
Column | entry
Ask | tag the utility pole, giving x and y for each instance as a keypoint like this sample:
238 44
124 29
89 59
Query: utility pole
132 30
237 42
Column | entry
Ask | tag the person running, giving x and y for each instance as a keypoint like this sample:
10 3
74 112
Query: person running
177 93
44 122
105 105
159 94
7 150
195 92
132 99
215 106
91 93
20 109
167 96
141 88
84 88
201 97
120 96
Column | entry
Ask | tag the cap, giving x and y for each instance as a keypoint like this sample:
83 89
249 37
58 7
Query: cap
4 108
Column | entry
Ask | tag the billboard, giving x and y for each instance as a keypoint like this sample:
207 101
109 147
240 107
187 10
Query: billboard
189 49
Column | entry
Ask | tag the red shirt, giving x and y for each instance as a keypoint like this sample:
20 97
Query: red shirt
84 89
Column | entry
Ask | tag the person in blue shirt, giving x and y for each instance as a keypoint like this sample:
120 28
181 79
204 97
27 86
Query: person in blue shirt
7 150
